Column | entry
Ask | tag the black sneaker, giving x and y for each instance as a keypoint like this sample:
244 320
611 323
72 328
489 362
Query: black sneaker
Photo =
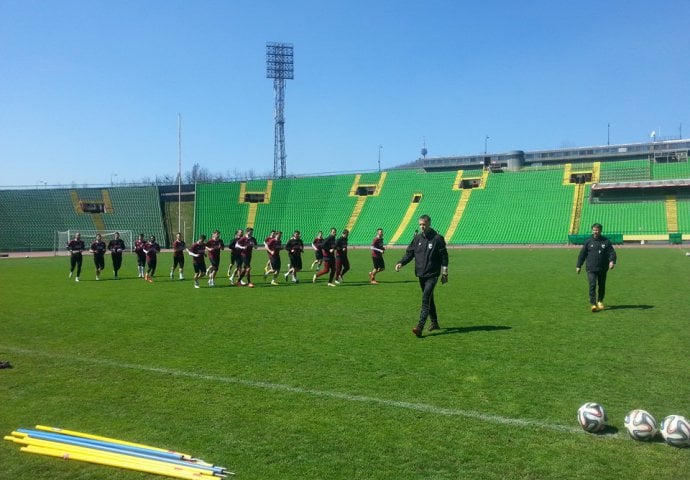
434 326
5 365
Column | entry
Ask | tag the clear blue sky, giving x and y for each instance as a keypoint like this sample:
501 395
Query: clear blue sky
91 90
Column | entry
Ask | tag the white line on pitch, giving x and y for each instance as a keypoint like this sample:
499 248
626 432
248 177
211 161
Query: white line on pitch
419 407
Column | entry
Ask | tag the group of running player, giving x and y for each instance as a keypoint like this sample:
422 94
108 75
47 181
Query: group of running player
330 256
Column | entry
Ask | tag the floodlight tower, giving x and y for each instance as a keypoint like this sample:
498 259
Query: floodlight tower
279 67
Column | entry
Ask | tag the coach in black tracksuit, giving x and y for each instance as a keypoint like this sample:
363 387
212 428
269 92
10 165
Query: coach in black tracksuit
430 261
600 257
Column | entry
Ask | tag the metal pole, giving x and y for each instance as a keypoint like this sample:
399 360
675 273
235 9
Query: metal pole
179 172
608 134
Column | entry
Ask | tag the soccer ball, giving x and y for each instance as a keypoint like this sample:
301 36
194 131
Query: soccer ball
641 425
676 431
592 417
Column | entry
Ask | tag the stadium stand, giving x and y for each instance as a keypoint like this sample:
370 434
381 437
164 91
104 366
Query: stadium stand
526 207
137 209
684 218
308 204
433 193
518 208
30 218
633 170
627 218
529 206
667 171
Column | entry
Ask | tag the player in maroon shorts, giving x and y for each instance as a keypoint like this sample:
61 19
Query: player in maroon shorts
75 248
246 244
267 267
197 251
179 246
98 249
318 253
328 249
116 247
214 246
273 247
342 263
139 245
235 257
294 247
151 249
377 250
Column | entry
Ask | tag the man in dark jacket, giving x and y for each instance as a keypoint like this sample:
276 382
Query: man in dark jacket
600 257
428 249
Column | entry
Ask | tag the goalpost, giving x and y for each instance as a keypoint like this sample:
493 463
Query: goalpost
89 236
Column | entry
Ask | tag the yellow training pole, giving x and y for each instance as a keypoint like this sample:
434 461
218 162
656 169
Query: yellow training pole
164 471
71 450
73 433
103 439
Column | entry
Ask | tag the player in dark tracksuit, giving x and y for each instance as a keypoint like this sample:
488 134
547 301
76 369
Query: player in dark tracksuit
328 249
116 247
75 248
428 249
600 257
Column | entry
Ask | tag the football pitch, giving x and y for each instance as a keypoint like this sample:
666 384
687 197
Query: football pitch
310 382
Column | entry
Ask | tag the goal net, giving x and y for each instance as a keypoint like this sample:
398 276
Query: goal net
89 236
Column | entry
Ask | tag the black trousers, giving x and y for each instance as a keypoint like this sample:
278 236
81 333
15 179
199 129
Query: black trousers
75 261
428 305
597 278
117 261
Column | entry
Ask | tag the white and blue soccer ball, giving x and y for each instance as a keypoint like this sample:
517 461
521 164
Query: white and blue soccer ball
592 417
641 425
676 430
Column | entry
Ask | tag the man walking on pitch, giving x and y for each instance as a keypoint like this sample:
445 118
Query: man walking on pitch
116 247
600 257
428 249
75 247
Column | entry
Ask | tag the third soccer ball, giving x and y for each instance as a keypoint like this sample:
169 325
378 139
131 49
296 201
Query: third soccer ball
641 425
676 431
592 417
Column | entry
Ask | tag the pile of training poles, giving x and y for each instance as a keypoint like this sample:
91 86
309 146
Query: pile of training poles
71 445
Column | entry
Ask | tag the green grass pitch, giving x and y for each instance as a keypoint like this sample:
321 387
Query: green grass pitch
310 382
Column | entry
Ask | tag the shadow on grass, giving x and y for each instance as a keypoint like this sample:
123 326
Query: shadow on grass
629 307
473 328
368 284
608 430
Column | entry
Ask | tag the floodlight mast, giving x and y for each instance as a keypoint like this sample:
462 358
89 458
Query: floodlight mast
279 67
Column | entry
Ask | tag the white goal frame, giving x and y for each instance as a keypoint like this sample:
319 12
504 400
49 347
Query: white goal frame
89 236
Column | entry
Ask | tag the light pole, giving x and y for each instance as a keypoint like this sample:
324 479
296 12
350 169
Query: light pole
486 144
380 147
608 134
111 178
45 184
